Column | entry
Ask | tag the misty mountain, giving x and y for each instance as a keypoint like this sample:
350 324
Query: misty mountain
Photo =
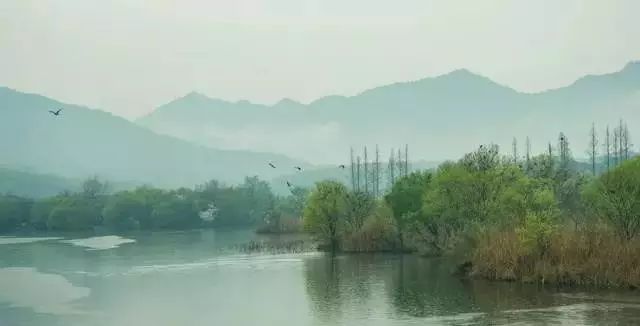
440 117
82 142
34 185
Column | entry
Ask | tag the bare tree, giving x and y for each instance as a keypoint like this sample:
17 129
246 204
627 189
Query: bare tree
406 159
366 171
353 172
391 169
565 154
358 173
593 145
616 148
621 140
626 142
550 158
528 154
400 164
607 147
377 174
514 148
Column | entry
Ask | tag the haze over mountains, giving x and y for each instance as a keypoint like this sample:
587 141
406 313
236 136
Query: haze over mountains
196 138
440 117
82 142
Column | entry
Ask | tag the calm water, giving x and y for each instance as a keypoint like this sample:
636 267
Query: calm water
201 278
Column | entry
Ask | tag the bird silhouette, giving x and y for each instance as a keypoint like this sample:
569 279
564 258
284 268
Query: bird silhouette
56 113
341 166
297 168
271 165
288 184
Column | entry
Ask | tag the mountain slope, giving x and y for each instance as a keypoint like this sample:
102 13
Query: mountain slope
440 117
33 185
82 142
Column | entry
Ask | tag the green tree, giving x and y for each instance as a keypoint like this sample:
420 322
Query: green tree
123 211
359 205
14 212
73 214
175 211
41 210
325 211
93 187
258 198
615 197
405 200
569 193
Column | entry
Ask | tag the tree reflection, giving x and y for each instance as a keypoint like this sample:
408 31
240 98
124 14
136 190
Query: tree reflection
323 287
424 287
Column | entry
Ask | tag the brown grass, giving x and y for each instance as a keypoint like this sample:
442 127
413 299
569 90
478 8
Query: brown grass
376 235
594 257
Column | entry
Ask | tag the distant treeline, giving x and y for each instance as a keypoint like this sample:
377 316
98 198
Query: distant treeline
146 208
524 217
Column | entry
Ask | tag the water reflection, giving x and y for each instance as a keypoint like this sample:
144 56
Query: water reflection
397 289
195 278
424 287
100 243
43 293
18 240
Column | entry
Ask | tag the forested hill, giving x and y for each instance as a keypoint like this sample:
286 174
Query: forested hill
440 117
82 142
34 185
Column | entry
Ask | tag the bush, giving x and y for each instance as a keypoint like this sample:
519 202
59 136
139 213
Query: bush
40 212
615 197
535 233
73 214
584 257
175 213
325 212
378 233
124 212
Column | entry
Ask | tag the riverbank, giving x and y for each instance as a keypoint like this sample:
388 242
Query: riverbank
218 284
593 257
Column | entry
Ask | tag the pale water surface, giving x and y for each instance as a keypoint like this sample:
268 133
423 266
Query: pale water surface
201 278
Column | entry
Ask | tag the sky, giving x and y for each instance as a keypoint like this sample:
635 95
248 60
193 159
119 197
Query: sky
130 56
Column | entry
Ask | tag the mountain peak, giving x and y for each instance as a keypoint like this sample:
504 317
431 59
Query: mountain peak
460 72
288 103
193 98
194 95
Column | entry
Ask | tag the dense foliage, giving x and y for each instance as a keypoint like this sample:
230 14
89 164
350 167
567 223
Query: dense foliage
508 218
251 203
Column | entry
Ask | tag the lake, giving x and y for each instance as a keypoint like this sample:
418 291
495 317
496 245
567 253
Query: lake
204 278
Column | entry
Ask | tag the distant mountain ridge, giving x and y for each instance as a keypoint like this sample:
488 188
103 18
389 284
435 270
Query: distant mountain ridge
82 142
439 117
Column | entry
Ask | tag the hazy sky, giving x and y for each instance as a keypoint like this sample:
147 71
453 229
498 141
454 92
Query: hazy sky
130 56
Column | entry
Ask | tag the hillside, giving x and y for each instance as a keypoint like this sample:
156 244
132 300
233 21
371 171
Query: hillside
440 117
83 142
34 185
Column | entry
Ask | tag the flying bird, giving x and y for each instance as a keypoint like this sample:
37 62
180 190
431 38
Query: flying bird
56 113
288 184
341 166
271 165
297 168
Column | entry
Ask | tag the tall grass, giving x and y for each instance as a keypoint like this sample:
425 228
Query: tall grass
595 257
377 234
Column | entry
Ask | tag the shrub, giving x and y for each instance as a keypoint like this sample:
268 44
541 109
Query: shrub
378 233
73 214
615 197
